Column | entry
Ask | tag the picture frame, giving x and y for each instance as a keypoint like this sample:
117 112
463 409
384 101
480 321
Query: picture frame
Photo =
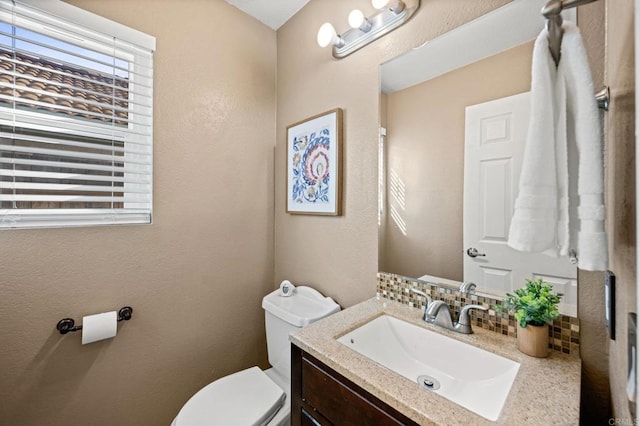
314 165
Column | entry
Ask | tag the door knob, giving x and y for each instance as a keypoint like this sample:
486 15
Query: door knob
473 252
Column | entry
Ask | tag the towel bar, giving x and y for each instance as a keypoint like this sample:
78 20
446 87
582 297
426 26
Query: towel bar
551 11
602 97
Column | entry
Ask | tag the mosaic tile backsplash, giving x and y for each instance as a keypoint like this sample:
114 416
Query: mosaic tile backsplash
564 333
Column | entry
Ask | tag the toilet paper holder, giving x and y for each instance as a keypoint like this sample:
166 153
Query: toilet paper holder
66 325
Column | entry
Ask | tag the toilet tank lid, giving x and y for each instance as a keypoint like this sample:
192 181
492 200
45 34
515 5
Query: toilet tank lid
305 306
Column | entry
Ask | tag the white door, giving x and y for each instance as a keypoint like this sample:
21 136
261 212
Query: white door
495 134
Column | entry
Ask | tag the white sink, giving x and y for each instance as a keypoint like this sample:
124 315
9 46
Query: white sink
471 377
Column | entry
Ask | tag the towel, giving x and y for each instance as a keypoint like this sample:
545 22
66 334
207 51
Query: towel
560 204
586 135
534 224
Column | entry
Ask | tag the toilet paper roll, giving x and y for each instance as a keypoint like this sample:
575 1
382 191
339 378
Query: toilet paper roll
99 327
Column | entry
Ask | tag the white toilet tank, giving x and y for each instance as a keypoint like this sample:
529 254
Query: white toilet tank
286 314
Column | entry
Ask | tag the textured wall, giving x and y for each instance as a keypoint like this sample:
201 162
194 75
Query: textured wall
621 202
195 278
425 150
595 403
338 255
311 81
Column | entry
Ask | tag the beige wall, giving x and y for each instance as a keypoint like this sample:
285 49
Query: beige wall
338 255
595 403
621 202
311 81
425 150
195 278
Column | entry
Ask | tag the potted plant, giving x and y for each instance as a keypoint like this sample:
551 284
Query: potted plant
535 306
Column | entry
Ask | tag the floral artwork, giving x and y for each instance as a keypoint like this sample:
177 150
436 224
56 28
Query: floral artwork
311 168
313 165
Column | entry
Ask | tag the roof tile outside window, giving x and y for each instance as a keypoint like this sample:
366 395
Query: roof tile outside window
62 90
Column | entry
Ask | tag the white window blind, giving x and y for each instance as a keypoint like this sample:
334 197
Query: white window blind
76 122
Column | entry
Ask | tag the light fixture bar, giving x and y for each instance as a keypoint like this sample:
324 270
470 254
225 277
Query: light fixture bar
382 23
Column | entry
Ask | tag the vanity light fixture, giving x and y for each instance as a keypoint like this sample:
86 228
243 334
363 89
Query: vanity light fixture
392 14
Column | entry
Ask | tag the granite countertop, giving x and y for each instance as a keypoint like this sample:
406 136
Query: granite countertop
545 391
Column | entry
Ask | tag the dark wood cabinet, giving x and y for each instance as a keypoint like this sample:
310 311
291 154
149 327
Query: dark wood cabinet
320 396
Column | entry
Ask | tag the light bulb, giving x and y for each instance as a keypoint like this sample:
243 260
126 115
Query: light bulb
356 18
327 35
358 21
396 6
379 4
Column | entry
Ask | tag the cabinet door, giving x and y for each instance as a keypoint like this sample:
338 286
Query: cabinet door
337 402
322 397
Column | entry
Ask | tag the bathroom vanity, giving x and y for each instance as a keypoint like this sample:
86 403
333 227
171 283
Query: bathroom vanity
325 397
334 384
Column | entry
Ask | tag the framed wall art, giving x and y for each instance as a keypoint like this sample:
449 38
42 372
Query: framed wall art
314 165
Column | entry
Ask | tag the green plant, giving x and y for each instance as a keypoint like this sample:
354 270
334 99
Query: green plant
534 304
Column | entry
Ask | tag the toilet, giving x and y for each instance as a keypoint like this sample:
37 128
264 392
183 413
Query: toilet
252 396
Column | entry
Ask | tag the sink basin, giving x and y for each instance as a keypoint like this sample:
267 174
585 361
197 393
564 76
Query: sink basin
471 377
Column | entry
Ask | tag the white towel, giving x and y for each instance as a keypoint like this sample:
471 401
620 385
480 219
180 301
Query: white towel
534 223
560 205
586 135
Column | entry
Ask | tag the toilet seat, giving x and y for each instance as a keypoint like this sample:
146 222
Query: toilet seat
248 397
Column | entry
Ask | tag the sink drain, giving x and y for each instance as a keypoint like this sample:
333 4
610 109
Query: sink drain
428 382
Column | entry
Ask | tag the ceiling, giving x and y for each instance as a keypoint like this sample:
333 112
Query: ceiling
269 12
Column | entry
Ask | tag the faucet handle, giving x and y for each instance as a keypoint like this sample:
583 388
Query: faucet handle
423 294
467 287
464 313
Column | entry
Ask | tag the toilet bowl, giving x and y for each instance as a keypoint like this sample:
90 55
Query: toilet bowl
252 396
248 397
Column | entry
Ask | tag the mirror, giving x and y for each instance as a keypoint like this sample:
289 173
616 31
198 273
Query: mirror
425 94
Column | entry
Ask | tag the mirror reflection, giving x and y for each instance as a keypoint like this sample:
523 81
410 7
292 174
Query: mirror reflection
449 166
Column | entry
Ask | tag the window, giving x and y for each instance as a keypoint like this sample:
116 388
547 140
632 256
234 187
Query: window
75 119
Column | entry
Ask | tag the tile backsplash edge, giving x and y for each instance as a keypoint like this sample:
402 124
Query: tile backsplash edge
564 333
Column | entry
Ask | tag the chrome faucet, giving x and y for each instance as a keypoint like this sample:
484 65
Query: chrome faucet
438 312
